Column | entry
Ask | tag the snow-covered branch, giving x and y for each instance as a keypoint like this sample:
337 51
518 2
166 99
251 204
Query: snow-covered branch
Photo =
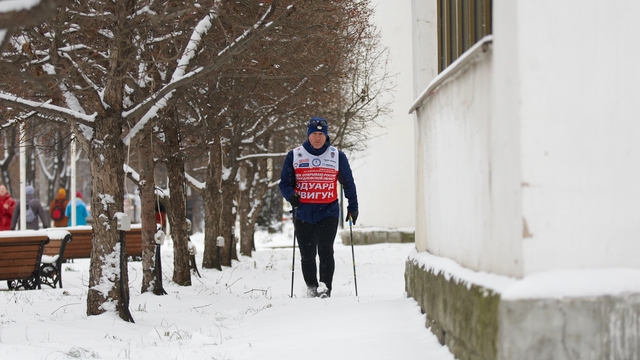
148 109
253 156
195 183
131 174
189 53
46 108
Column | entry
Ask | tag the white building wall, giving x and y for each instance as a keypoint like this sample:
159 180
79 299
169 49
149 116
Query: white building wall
506 193
425 69
454 127
384 175
425 44
562 152
580 132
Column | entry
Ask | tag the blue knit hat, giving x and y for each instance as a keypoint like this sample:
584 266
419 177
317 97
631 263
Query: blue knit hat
318 124
29 190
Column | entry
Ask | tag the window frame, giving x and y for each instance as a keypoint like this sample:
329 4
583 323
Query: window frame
461 24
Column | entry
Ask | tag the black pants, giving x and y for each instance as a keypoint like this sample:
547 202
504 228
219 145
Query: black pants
317 239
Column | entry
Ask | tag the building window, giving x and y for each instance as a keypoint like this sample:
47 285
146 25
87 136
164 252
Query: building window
461 23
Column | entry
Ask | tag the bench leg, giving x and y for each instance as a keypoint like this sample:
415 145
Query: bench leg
13 284
193 266
59 266
50 275
26 284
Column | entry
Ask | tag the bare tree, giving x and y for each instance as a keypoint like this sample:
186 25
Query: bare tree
83 67
355 100
9 145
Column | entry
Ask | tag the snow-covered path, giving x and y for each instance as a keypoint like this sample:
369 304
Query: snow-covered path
243 312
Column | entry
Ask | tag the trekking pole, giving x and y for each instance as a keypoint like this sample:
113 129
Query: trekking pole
293 262
353 256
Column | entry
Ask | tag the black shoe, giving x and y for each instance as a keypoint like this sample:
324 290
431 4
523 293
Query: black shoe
326 294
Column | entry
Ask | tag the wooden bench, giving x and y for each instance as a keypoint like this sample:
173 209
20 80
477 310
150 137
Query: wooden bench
20 256
53 257
133 241
80 247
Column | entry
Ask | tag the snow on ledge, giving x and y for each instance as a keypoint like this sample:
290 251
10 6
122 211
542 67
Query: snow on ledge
554 284
451 270
573 283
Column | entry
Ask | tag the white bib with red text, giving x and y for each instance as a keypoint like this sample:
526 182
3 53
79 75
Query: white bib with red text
316 176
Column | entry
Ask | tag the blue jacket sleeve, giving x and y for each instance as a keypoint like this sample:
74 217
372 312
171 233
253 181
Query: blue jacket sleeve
345 176
287 177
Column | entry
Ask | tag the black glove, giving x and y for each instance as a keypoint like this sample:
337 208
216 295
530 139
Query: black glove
294 200
353 215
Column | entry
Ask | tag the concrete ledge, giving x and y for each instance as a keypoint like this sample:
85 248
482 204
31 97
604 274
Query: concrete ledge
481 320
605 327
368 236
463 317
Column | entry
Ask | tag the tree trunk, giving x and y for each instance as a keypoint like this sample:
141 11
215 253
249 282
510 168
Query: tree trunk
108 279
10 144
211 254
58 173
228 168
212 195
228 222
244 207
178 214
197 212
251 202
150 281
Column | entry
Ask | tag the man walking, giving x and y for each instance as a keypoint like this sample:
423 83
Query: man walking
309 182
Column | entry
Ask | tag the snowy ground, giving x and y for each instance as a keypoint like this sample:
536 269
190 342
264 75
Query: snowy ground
243 312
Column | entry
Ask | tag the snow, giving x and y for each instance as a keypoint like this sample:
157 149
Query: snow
555 284
245 311
27 233
56 233
574 283
241 312
452 270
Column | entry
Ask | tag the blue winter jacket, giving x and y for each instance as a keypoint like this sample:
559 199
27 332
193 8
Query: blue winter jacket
313 213
82 213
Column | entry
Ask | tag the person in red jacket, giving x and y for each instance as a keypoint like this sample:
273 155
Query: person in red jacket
7 204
